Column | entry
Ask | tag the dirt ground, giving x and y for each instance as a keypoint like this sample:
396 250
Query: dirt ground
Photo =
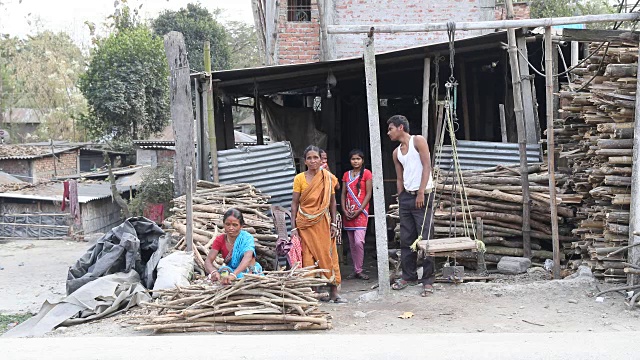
36 270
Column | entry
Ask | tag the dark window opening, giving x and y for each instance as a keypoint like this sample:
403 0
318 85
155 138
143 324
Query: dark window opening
299 10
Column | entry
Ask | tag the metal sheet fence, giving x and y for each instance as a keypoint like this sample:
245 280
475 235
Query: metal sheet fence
474 155
34 226
270 168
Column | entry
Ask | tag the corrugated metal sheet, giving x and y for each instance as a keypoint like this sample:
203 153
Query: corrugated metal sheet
53 191
474 155
269 168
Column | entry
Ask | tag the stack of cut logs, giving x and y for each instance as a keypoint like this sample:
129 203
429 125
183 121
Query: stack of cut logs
595 136
210 202
280 300
495 196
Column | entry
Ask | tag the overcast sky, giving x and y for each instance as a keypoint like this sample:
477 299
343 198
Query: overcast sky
70 15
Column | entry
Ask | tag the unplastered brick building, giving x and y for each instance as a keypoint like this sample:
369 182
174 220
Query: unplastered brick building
294 31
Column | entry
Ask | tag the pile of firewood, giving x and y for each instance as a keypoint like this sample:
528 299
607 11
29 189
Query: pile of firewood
210 202
279 300
595 136
494 195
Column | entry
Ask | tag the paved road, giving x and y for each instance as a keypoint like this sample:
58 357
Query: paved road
476 346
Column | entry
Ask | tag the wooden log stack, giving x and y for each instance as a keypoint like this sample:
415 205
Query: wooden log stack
210 202
280 300
495 196
595 138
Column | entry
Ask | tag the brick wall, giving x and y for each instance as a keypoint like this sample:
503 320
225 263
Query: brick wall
19 168
299 42
67 164
521 11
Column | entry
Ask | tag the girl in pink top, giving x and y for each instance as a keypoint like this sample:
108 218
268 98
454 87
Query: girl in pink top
356 194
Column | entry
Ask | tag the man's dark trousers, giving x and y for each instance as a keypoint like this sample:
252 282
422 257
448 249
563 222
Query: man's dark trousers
411 220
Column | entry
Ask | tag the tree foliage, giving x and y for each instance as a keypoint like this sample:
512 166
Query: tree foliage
561 8
126 85
197 25
41 73
156 187
243 45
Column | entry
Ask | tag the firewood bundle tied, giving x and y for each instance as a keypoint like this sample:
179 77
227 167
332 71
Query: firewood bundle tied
210 202
279 300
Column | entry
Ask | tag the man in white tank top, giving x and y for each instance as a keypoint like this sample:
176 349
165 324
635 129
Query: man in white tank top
415 197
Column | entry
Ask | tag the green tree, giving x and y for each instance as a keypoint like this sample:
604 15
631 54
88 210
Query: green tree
41 73
243 42
561 8
126 86
197 25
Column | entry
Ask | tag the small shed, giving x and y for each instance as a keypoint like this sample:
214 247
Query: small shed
36 212
36 163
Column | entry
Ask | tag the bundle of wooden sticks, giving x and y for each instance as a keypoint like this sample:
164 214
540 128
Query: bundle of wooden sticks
210 202
279 300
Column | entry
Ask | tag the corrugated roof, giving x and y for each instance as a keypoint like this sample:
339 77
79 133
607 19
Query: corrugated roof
276 78
25 152
52 191
8 179
475 155
269 168
21 116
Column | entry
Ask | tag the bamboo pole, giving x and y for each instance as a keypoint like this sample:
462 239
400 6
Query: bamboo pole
213 141
634 219
481 25
376 164
189 195
522 135
548 60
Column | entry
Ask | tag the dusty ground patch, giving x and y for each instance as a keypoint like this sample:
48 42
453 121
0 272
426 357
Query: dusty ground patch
525 303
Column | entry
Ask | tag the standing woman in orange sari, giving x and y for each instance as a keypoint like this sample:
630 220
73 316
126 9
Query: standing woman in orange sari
313 218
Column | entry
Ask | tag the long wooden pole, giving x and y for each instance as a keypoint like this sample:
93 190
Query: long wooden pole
213 140
481 25
189 195
522 135
181 108
548 65
503 124
426 80
634 219
382 247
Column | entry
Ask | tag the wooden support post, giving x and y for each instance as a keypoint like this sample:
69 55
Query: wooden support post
482 265
533 136
548 61
503 123
376 164
476 106
556 83
439 124
201 155
213 140
426 82
522 137
257 116
634 219
227 126
189 194
181 108
464 96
